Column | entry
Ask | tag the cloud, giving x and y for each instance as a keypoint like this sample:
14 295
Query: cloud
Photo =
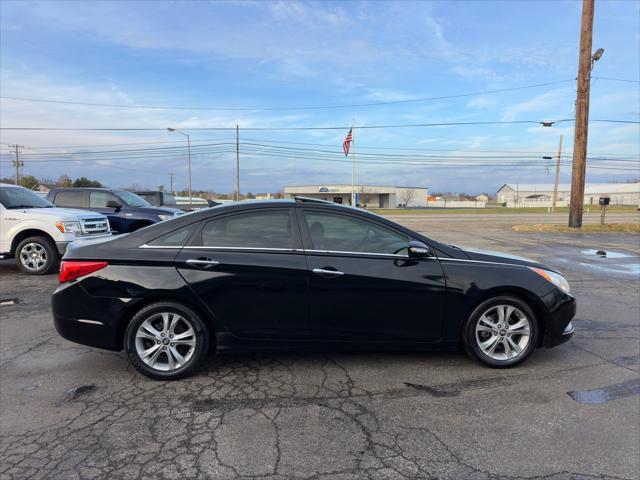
548 104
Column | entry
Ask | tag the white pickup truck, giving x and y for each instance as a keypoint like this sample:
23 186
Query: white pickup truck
37 234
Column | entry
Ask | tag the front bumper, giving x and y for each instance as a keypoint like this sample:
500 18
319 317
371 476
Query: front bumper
558 326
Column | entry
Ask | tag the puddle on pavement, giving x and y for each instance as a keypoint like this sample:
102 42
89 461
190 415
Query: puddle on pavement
607 262
605 254
606 394
9 301
625 269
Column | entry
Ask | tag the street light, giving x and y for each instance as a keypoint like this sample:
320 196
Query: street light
597 55
189 154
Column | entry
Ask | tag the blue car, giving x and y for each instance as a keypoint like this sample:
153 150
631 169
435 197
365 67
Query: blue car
126 211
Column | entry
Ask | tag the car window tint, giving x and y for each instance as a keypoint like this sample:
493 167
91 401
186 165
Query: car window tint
342 233
177 238
69 199
261 229
100 199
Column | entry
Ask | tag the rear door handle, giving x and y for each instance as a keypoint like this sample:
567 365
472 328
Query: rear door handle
327 273
202 262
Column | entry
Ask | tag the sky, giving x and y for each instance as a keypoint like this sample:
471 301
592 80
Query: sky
221 64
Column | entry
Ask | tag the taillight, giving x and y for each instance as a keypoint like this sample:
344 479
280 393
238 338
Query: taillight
70 270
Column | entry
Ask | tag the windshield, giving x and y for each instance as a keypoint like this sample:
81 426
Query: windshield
20 197
132 199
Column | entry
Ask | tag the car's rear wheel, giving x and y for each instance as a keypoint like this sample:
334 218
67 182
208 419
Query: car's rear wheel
501 332
37 255
167 341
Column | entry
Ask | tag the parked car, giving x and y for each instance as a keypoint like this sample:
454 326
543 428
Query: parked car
126 211
158 198
37 234
302 274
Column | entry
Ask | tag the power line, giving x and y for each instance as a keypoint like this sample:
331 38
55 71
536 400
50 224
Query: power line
616 79
260 140
315 107
361 127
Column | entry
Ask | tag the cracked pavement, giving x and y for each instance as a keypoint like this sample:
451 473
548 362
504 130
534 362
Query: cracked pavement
337 415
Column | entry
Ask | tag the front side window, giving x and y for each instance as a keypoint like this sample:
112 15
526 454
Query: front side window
132 199
70 199
100 199
343 233
259 229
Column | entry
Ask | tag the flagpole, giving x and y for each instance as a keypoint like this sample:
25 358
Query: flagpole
353 166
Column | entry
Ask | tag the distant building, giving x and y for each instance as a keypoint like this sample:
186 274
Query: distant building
366 195
265 196
482 198
619 193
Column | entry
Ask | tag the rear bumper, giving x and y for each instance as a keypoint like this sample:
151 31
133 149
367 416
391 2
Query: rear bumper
558 328
62 247
87 320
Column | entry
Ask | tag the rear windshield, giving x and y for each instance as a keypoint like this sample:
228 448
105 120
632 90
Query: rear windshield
19 197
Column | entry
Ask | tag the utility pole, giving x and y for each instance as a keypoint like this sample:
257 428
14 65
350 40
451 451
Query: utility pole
555 183
189 160
17 162
171 175
579 166
237 163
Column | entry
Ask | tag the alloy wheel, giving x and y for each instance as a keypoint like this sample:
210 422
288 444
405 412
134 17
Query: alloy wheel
503 332
165 341
33 256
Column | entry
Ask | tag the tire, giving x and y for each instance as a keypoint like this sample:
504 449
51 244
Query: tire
511 345
37 256
151 330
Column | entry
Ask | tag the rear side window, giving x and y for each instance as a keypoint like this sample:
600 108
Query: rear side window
100 199
69 199
177 238
260 229
344 233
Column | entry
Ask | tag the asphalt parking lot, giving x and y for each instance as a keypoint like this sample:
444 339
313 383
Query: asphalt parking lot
69 411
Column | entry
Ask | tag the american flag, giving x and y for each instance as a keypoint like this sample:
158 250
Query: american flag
347 142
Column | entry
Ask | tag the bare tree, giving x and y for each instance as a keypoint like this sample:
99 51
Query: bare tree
406 196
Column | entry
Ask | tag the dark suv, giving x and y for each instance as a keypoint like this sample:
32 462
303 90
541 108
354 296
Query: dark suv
126 211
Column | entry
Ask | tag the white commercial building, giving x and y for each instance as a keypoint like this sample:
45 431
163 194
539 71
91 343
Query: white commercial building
366 195
531 194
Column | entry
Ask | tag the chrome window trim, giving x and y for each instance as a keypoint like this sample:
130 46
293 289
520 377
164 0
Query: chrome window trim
195 247
331 252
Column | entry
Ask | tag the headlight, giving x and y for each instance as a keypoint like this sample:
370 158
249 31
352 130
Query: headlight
165 217
69 227
558 280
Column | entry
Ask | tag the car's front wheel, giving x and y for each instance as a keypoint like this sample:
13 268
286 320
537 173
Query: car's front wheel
501 332
167 341
37 256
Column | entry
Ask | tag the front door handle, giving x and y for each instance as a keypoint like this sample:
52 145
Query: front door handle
202 262
327 273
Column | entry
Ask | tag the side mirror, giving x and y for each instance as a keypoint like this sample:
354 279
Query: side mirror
419 250
114 204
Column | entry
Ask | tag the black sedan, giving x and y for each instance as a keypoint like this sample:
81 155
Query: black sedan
301 274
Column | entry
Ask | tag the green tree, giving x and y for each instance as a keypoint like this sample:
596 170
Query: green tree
64 181
85 182
28 181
